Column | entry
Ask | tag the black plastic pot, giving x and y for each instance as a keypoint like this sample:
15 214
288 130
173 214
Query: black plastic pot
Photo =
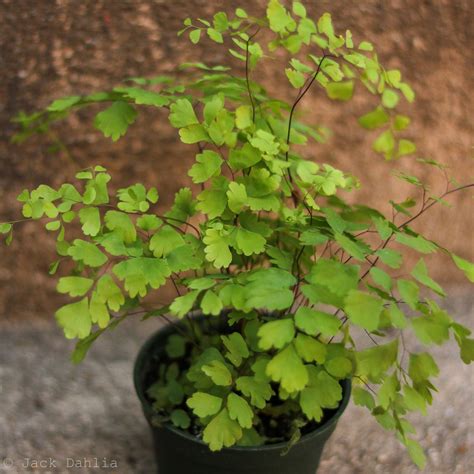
178 452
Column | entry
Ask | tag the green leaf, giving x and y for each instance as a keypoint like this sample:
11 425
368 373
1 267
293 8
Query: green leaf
259 391
269 288
325 25
407 91
409 292
90 220
121 222
414 400
375 361
149 222
467 349
215 35
418 243
421 367
339 367
241 13
182 305
432 328
75 319
276 334
390 257
237 348
464 265
243 117
288 369
165 241
390 98
420 273
83 346
340 90
194 36
278 17
217 248
143 96
113 122
236 197
364 309
381 278
363 398
193 134
249 243
265 142
222 431
218 372
239 410
82 251
337 277
175 346
5 228
323 392
245 157
183 207
309 349
65 103
416 453
211 303
385 143
180 419
98 311
182 113
296 78
203 404
313 322
366 46
213 201
383 227
397 317
74 286
138 273
354 248
374 119
406 147
208 165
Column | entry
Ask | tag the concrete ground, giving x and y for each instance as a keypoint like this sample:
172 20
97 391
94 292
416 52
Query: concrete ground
88 416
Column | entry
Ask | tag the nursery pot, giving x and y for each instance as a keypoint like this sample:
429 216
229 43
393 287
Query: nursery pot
178 452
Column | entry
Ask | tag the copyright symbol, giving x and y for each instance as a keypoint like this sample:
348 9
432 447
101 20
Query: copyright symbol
7 463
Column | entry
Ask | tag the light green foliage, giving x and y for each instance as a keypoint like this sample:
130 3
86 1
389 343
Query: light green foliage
323 391
204 404
288 369
264 242
75 319
86 252
114 121
138 273
315 322
239 410
276 334
222 431
208 165
218 372
364 309
74 286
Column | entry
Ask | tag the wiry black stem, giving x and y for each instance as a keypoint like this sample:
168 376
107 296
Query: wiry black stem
247 80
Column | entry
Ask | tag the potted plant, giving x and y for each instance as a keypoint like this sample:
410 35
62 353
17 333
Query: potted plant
274 270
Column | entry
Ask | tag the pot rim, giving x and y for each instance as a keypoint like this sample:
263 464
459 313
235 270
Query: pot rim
147 407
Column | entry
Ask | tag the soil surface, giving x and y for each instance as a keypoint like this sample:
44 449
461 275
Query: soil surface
50 408
63 47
